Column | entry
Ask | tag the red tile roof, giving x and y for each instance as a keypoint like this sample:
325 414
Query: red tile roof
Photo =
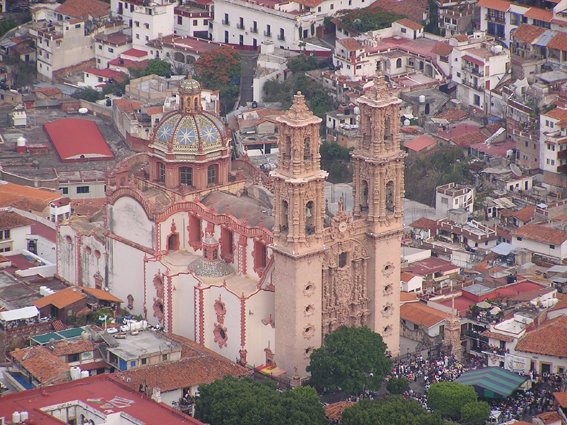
136 53
99 294
463 135
527 33
107 73
473 60
442 49
541 233
539 14
11 220
127 105
550 339
60 299
77 139
25 197
42 364
420 143
525 214
558 42
102 393
431 265
65 348
557 113
424 223
452 115
350 44
500 5
406 297
84 9
561 399
498 336
128 63
410 24
421 314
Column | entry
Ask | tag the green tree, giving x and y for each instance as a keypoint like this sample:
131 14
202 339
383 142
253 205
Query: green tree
351 360
6 25
302 63
233 401
397 385
475 413
219 69
394 410
448 398
364 20
88 94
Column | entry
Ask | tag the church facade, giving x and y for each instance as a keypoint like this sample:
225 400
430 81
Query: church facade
258 276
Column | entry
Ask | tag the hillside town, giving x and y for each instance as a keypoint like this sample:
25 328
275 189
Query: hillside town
283 212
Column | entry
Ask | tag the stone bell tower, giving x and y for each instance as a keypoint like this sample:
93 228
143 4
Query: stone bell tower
378 190
299 209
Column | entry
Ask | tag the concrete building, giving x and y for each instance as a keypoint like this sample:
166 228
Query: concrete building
553 146
546 241
452 196
109 46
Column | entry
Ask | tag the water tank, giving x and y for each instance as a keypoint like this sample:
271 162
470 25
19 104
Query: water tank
75 373
22 141
16 418
24 416
421 98
356 110
83 111
85 336
497 49
42 290
84 374
407 122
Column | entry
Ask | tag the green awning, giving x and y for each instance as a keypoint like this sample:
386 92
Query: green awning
493 382
57 336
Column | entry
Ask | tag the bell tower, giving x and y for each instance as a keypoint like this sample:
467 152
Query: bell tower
378 190
299 208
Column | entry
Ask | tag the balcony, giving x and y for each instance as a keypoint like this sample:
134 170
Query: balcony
562 168
267 34
254 30
472 85
240 26
225 22
562 154
281 37
496 18
475 70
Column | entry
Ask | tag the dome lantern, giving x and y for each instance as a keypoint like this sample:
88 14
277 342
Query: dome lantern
190 95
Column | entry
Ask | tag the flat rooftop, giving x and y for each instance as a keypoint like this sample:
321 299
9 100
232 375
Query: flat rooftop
50 166
17 293
146 342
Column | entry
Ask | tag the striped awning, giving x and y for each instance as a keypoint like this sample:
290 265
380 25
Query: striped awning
500 382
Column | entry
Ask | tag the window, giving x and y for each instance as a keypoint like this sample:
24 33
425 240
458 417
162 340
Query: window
195 22
4 234
186 176
552 246
111 50
133 363
83 189
179 20
212 175
65 190
100 47
164 357
518 238
137 36
332 6
399 63
307 154
147 26
343 259
161 173
225 20
319 9
403 30
144 361
476 100
137 23
73 358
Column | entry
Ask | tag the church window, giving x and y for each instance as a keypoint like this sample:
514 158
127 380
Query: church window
212 175
387 310
367 130
309 288
307 154
284 220
186 176
196 104
173 242
398 63
309 218
194 232
161 172
309 309
287 148
364 195
387 129
343 256
67 238
390 205
260 255
227 242
387 330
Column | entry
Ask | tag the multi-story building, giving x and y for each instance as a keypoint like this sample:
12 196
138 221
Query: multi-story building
500 18
452 196
148 20
192 21
455 17
477 69
109 46
286 23
553 146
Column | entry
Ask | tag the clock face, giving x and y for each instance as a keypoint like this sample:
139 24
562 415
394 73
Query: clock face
343 226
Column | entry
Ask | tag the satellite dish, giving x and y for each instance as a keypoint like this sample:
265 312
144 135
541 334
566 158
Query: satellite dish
83 111
516 170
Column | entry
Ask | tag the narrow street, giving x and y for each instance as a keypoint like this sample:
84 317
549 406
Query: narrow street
248 61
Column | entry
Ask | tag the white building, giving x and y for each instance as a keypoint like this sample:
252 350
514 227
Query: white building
411 282
286 23
452 196
192 21
109 47
553 141
546 241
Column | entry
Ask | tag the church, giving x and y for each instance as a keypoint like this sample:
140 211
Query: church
259 275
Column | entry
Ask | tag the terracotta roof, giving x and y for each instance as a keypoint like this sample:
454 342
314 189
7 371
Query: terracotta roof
350 44
60 299
539 14
496 335
442 49
77 139
561 304
547 418
102 295
65 348
421 314
500 5
136 53
420 143
42 364
557 113
540 233
558 42
200 369
47 91
410 24
452 115
561 399
334 411
424 223
527 33
406 277
524 214
84 8
407 297
11 220
25 197
127 105
549 339
107 73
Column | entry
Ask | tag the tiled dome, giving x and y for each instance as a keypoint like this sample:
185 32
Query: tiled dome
198 132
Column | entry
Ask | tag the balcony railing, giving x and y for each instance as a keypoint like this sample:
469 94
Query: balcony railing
267 34
254 30
225 22
474 70
240 26
281 37
495 18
